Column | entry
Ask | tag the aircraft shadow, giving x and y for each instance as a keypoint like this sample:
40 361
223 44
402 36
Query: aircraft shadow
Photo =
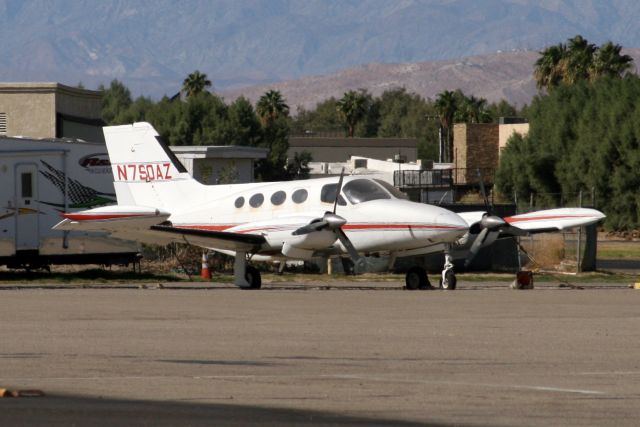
54 410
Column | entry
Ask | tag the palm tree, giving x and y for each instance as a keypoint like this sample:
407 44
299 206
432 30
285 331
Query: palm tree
446 106
549 68
352 107
195 83
270 106
608 62
579 60
579 57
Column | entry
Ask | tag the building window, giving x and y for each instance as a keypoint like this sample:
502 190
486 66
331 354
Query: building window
278 197
3 123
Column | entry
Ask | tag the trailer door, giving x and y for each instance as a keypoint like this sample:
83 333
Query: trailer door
27 212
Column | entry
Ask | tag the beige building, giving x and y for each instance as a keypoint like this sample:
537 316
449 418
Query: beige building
507 130
341 149
50 110
478 146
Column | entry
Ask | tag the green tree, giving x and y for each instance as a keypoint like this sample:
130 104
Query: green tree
195 83
352 108
446 105
609 62
583 137
116 99
579 60
271 106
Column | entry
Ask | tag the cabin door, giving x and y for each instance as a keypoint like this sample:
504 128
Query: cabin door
27 212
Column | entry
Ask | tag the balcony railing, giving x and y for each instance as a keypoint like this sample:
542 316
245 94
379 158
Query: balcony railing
442 178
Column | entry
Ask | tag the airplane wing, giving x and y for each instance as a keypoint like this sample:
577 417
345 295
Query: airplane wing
554 219
150 225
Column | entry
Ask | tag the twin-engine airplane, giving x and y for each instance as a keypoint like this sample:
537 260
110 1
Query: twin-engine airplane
159 202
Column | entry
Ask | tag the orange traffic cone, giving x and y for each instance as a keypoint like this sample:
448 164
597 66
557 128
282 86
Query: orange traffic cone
205 273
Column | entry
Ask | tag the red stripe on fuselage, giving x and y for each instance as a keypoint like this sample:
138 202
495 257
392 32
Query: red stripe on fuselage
345 227
97 217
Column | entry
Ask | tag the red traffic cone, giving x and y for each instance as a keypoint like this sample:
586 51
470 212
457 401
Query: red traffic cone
205 273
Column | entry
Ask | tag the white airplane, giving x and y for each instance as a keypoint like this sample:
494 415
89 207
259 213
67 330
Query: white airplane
159 202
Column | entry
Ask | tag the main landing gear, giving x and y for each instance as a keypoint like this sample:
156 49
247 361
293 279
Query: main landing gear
245 276
416 277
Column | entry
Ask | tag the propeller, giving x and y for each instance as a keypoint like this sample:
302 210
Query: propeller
489 224
334 222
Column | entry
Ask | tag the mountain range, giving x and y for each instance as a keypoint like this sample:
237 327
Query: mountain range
151 45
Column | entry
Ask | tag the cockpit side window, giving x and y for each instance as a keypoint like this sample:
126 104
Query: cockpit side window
391 189
328 195
363 190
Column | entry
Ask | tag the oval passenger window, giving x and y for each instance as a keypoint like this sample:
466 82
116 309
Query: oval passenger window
299 196
239 202
278 197
256 200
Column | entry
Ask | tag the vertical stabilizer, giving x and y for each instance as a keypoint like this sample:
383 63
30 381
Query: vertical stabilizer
145 171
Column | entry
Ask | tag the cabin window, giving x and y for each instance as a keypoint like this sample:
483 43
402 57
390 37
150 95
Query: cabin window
239 202
391 189
256 200
299 196
27 185
278 197
364 190
328 195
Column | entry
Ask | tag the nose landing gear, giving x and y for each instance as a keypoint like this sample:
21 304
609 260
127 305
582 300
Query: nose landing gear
448 279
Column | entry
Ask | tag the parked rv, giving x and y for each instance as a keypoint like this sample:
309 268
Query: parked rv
43 178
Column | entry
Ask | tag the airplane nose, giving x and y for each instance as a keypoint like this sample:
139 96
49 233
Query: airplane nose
452 220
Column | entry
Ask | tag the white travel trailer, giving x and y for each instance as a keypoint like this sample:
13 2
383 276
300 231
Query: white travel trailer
40 180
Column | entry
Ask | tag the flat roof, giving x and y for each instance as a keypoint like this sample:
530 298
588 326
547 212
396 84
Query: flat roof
352 142
219 151
48 87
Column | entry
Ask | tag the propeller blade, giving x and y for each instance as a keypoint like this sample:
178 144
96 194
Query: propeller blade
515 231
329 220
358 260
475 247
310 228
338 190
483 192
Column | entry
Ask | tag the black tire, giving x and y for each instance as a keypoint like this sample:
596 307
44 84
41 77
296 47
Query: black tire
253 277
416 278
450 281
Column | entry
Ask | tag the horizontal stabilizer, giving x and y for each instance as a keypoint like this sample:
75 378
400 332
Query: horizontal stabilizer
112 219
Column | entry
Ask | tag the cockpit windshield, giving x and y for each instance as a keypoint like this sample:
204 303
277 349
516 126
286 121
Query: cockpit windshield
391 189
363 190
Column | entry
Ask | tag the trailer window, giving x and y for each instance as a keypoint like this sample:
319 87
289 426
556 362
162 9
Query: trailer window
27 184
364 190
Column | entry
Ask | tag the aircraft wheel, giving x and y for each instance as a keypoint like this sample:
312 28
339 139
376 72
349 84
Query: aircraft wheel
253 277
449 282
417 279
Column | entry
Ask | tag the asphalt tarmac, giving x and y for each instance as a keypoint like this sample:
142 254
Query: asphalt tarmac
365 354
